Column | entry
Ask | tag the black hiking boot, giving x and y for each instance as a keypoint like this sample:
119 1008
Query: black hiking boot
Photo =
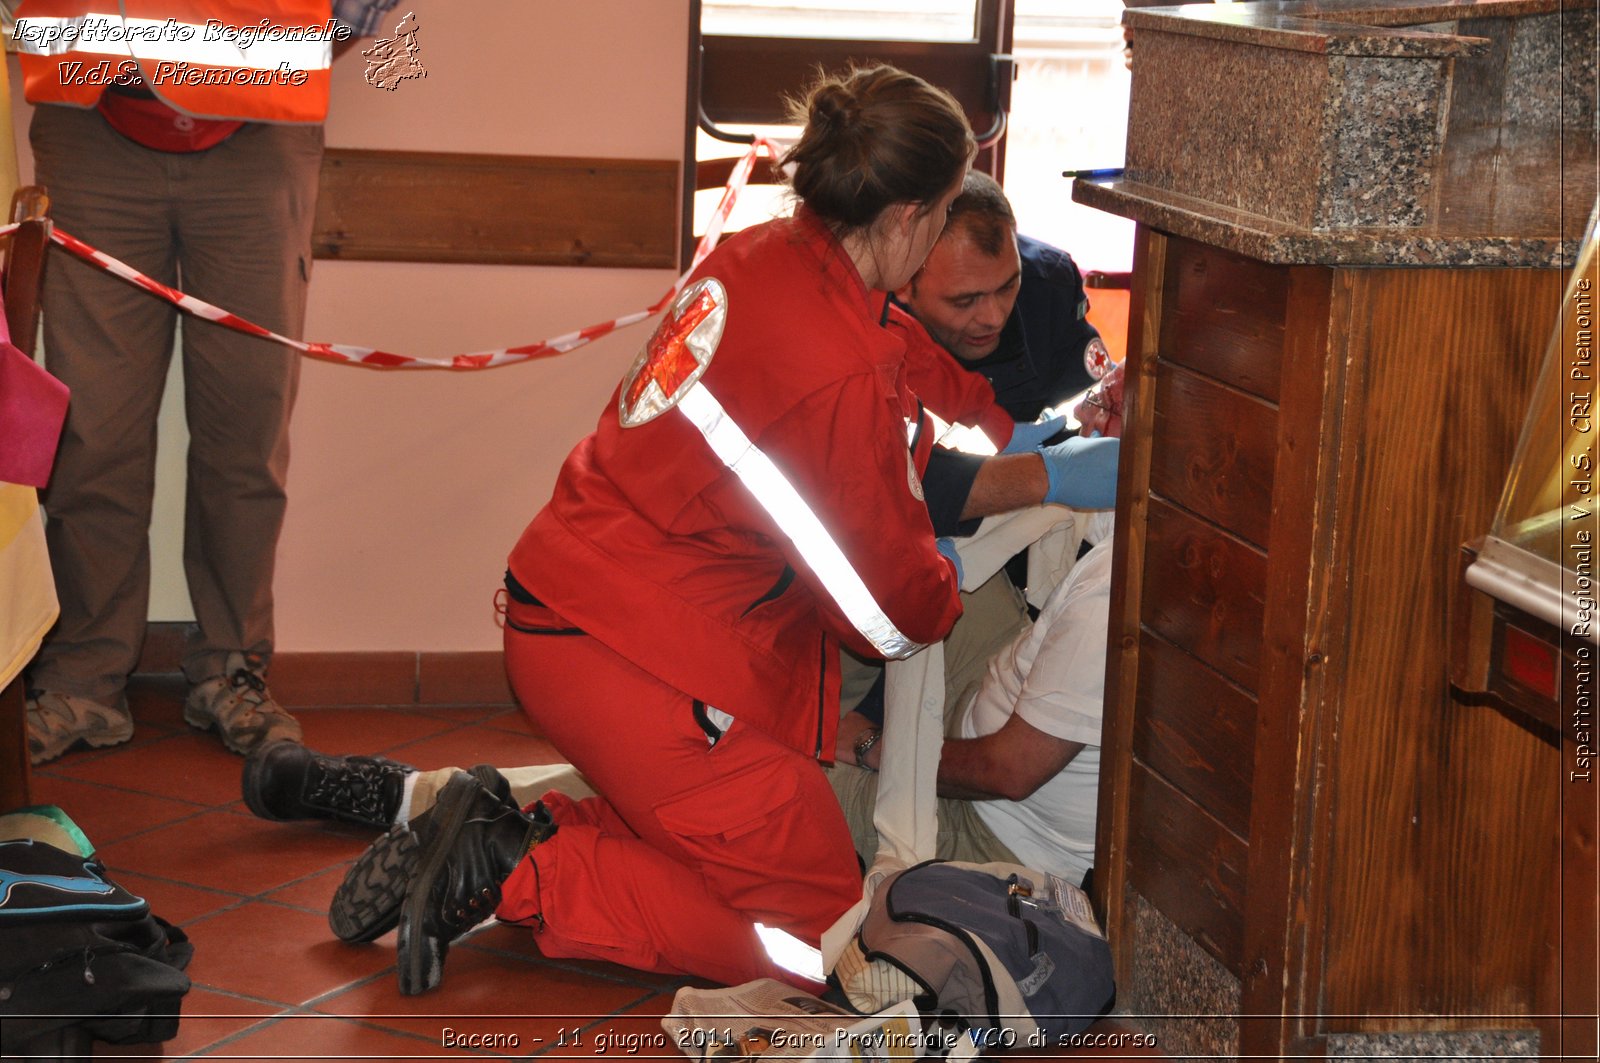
367 903
468 844
285 780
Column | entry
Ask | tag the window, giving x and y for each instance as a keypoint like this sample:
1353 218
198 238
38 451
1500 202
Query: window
1069 111
886 20
1068 106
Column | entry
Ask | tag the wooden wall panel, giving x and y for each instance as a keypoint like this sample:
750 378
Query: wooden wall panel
1114 829
1440 870
1213 452
1188 865
412 206
1225 316
1196 730
1204 590
1296 732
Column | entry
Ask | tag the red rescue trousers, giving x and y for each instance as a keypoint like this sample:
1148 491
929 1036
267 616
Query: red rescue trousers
692 843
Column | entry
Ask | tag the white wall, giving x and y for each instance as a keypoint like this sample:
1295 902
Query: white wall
407 489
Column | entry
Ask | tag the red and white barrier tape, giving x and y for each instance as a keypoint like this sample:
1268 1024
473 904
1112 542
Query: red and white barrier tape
368 356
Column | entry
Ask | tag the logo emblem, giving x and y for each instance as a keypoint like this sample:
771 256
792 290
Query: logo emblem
1096 359
392 60
677 355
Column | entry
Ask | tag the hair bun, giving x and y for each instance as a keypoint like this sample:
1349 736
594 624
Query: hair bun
836 106
874 137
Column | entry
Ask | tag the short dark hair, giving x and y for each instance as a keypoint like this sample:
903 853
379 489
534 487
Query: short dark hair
874 137
983 213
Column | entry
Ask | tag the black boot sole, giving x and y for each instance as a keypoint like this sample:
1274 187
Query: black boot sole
366 905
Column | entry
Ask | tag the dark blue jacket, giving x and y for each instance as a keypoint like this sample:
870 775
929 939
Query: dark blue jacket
1039 363
1040 360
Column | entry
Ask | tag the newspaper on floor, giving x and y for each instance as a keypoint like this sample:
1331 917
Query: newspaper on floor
767 1020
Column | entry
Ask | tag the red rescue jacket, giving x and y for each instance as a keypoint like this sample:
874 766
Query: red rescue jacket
955 393
653 546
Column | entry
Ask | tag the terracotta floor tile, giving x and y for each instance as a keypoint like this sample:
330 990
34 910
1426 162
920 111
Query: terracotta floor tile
463 678
104 814
166 813
366 731
189 767
517 722
493 993
467 746
521 941
318 1038
235 853
314 892
176 903
338 678
466 714
206 1018
275 953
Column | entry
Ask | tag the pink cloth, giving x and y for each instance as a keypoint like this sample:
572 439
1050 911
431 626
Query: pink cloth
33 407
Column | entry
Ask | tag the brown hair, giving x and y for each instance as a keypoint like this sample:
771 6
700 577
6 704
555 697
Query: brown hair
983 213
874 137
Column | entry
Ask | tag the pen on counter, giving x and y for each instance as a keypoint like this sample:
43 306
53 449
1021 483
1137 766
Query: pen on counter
1114 171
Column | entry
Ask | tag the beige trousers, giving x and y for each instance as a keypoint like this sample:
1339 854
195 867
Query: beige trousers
232 226
528 784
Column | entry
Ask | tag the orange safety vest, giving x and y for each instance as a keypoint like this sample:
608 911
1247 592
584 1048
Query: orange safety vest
219 59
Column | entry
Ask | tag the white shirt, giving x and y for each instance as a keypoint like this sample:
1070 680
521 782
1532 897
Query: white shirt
1053 675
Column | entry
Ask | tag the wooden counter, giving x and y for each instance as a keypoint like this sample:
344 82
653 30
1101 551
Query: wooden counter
1304 834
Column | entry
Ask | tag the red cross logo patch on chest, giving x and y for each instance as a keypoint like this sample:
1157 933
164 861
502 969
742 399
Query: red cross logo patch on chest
677 355
1096 358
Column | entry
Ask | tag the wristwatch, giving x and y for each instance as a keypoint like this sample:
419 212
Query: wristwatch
868 738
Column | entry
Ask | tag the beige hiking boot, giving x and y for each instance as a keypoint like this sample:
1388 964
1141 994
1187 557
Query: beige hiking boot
239 707
57 722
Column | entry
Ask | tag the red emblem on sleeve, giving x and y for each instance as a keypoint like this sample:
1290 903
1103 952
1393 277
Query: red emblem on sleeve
677 354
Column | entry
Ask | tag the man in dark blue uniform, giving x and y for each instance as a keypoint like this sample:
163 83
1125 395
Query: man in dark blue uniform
1007 306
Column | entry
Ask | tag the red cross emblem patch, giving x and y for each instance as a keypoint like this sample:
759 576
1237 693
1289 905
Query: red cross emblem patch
677 355
1096 359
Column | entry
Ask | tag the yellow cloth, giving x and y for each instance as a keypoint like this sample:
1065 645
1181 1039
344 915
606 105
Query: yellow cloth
26 586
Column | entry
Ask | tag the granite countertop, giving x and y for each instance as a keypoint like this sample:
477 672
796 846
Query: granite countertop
1418 12
1269 25
1341 24
1472 244
1499 172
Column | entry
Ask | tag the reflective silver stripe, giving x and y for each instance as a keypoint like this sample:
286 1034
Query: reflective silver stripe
155 40
792 954
785 506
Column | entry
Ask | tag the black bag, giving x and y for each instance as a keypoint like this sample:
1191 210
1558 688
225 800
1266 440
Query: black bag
82 953
1000 947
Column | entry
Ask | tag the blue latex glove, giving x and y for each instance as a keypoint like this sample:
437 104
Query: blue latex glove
947 547
1026 437
1083 472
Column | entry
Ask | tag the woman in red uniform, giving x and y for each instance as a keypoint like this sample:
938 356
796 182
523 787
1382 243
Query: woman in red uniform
749 499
